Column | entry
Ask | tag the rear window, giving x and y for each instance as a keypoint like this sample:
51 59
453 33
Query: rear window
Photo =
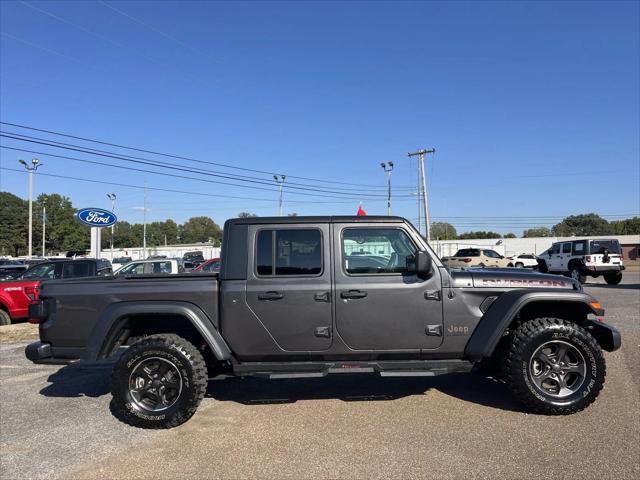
468 252
599 246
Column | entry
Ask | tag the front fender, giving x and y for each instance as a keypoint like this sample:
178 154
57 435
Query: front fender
114 317
497 319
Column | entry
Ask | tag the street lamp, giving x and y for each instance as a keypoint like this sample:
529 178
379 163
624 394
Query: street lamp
279 180
388 168
112 197
35 163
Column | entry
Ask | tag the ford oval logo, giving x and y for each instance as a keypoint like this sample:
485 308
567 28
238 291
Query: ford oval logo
96 217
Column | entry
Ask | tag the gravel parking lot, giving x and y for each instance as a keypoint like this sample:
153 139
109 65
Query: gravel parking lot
55 423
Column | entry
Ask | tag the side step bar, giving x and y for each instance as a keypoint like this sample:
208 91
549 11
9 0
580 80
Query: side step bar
418 368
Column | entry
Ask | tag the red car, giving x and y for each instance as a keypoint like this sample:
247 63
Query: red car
16 294
212 265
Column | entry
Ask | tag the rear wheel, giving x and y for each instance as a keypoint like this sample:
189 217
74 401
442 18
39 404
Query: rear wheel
158 382
554 366
576 273
613 278
5 318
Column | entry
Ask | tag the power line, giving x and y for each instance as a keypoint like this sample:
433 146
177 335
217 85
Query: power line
119 156
355 195
180 157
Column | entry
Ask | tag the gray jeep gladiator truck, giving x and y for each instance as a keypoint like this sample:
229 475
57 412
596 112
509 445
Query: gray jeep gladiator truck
311 296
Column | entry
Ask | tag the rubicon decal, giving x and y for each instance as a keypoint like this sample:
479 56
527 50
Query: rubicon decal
524 283
96 217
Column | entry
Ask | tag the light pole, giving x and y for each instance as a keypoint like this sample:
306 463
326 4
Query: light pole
279 180
112 197
44 226
388 168
35 163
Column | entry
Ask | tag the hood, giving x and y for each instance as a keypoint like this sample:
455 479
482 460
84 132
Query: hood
511 278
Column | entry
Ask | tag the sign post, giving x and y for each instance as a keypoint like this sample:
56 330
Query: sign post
97 219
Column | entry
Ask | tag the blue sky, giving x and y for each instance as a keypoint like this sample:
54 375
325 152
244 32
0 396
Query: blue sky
533 107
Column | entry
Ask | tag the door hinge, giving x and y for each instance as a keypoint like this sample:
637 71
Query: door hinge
323 332
322 297
433 330
433 295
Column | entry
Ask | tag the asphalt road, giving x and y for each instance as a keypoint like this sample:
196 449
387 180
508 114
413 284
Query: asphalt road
55 423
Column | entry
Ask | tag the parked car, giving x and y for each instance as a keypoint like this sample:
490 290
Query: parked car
151 267
477 257
211 265
288 304
15 294
580 259
523 260
10 268
194 257
121 260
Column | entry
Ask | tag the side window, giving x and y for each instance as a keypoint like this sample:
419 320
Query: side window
579 248
289 252
161 267
566 248
132 269
376 250
491 253
73 270
44 271
555 248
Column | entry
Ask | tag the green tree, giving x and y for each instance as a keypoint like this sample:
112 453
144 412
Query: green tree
582 225
478 234
629 226
246 215
14 216
443 231
64 232
510 235
200 229
537 232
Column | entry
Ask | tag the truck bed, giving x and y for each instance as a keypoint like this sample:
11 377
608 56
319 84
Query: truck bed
80 303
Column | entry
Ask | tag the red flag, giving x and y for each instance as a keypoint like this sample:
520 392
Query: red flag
361 212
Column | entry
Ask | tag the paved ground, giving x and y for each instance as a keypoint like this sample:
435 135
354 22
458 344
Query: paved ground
55 423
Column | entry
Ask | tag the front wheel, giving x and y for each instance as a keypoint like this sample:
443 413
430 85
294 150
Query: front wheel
158 382
613 278
576 274
519 265
554 366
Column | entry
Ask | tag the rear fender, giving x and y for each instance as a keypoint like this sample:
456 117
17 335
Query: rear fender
114 317
504 310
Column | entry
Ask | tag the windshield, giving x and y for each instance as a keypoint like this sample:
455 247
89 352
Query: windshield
599 246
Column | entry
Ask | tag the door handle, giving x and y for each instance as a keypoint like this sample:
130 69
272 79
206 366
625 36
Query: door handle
271 296
353 294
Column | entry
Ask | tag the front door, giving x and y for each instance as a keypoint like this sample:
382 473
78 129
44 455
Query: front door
379 304
565 256
289 285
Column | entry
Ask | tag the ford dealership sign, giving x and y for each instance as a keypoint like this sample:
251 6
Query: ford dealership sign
96 217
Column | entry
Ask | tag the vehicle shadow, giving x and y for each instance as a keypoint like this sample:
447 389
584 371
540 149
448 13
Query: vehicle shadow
94 380
474 388
80 380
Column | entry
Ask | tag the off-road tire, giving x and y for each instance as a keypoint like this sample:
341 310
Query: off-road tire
613 278
527 339
575 273
171 349
5 318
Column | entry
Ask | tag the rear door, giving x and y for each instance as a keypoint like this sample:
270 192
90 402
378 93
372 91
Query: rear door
289 284
379 305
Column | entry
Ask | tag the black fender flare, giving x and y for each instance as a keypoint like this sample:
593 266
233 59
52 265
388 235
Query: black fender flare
114 317
497 319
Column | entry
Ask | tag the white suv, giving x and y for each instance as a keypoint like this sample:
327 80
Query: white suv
582 258
523 260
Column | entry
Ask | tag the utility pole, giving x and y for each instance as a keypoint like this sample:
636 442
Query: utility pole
112 197
144 224
35 163
388 168
44 226
279 180
422 187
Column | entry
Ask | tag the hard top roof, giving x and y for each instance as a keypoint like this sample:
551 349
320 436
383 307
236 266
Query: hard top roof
319 219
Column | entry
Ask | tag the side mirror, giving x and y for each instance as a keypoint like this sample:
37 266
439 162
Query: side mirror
420 263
